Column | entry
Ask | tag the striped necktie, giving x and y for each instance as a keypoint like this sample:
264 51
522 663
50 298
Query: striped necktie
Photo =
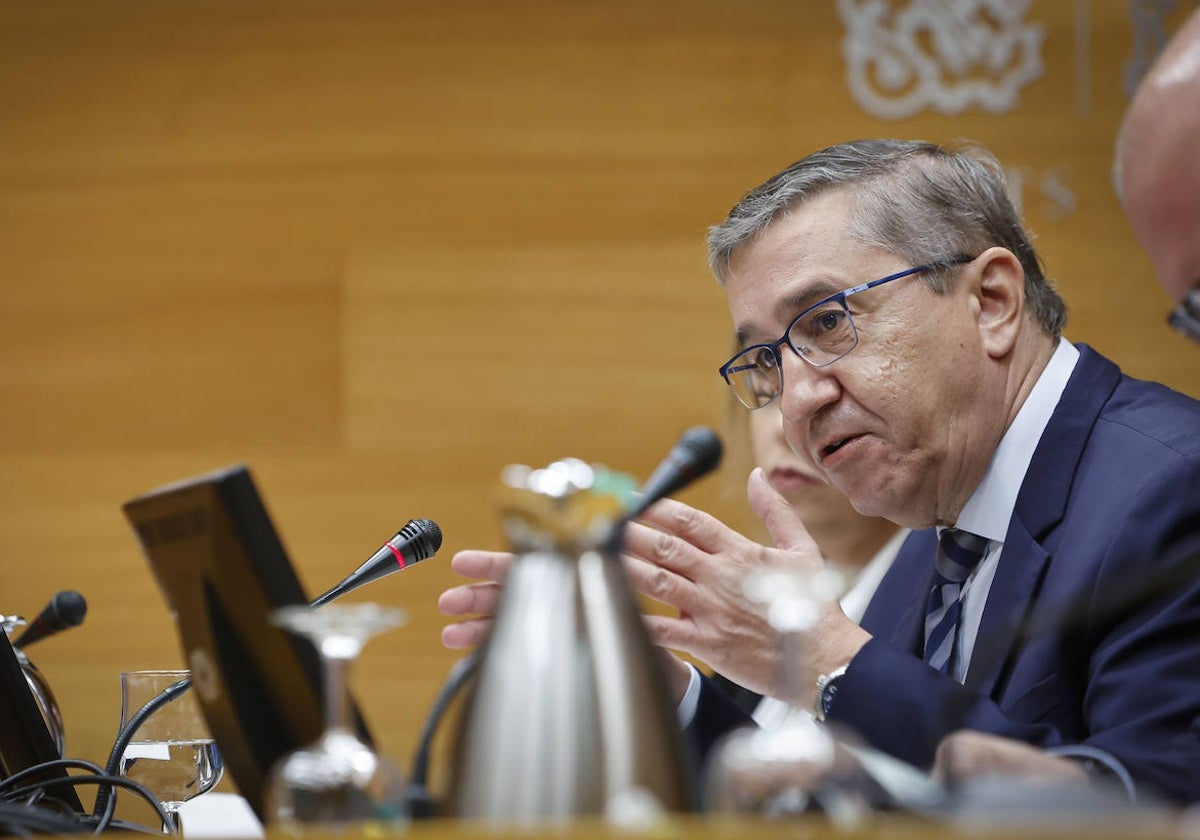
959 552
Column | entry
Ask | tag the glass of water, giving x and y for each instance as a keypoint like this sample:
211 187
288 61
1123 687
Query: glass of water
796 765
172 754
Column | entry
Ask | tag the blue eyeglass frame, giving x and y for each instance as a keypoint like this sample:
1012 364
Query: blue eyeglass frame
837 297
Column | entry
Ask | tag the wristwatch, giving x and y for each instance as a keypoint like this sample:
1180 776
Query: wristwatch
827 687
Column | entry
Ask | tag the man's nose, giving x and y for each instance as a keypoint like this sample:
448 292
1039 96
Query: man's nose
806 389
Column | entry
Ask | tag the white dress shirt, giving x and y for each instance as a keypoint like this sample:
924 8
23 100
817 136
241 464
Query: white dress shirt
990 508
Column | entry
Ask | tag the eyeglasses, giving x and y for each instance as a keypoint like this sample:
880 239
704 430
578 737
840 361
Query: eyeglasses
820 335
1186 317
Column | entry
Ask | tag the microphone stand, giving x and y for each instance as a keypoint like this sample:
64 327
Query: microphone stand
421 803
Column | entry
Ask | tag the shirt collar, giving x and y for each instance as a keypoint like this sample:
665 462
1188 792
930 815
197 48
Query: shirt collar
989 509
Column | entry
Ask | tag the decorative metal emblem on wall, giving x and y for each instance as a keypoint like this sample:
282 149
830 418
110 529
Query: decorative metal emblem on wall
950 55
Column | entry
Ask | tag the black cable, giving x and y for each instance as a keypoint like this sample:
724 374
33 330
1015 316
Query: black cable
76 763
24 822
33 814
420 801
108 781
125 825
40 800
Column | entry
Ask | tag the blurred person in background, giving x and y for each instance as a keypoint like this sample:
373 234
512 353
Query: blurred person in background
1157 171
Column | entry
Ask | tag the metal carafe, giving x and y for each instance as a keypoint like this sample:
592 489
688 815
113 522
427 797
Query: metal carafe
570 713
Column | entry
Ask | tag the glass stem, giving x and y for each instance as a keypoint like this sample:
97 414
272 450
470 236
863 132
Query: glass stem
175 826
793 685
337 695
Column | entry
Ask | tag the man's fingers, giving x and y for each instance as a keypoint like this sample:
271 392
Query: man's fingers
661 584
696 527
473 598
470 599
466 634
488 565
662 549
671 633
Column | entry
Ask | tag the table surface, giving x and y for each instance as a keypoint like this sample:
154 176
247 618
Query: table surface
228 816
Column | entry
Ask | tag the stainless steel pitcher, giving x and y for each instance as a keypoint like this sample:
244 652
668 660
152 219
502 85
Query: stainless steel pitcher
570 713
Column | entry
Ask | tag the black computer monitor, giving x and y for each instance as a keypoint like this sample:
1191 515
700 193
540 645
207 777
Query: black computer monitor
223 570
25 740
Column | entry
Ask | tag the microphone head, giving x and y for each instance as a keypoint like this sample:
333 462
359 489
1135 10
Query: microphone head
702 449
423 536
418 540
66 609
70 607
696 454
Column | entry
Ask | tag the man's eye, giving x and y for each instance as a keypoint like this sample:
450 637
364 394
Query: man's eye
765 359
820 325
829 320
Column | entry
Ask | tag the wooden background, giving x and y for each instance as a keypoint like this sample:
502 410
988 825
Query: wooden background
378 250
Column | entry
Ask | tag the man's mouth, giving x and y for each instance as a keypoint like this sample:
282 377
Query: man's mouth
834 447
831 448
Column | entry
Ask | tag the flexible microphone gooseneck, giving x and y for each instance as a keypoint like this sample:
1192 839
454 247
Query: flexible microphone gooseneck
66 609
697 453
421 803
418 540
105 802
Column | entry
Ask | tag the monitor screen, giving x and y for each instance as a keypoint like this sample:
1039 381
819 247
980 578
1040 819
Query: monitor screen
25 741
223 570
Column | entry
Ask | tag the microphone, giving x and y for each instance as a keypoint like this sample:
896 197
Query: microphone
418 540
66 609
697 453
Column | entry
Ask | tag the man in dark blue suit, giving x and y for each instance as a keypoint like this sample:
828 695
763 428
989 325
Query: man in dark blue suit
886 294
1157 174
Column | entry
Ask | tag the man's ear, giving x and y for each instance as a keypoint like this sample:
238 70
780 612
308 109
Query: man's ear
998 290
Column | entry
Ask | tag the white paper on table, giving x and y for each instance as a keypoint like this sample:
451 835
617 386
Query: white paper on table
219 815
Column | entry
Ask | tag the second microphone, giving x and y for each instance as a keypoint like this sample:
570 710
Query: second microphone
418 540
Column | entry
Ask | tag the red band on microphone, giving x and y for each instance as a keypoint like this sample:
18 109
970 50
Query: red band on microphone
399 557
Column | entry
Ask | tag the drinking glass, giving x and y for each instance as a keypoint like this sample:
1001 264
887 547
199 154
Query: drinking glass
338 780
796 765
172 754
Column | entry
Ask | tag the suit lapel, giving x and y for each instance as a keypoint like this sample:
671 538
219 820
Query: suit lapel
1047 484
1030 542
1018 578
896 613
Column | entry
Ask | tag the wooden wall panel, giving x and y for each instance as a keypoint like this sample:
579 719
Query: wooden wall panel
377 250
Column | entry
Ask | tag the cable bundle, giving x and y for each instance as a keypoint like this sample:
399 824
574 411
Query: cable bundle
28 809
